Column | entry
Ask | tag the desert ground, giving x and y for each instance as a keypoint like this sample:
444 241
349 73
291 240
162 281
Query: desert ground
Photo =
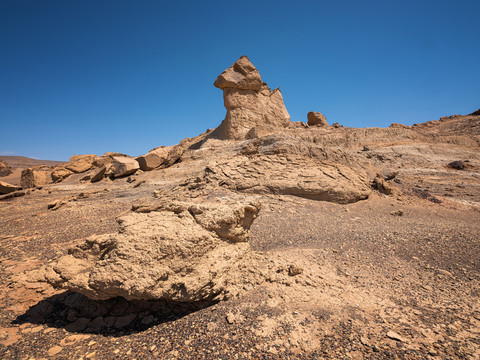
265 238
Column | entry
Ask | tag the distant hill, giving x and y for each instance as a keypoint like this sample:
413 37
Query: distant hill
19 163
26 162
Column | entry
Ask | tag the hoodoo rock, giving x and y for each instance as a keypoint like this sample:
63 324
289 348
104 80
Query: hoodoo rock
249 102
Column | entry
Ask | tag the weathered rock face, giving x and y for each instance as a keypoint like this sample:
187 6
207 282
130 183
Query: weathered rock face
36 176
177 251
249 102
290 175
316 119
152 159
6 188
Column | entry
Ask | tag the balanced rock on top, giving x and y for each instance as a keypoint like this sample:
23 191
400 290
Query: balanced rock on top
249 102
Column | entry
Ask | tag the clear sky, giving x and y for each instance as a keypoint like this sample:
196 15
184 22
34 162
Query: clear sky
93 76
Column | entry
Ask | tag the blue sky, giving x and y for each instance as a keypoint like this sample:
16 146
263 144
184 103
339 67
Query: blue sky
95 76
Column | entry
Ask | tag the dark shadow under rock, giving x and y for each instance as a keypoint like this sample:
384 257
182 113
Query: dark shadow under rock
115 317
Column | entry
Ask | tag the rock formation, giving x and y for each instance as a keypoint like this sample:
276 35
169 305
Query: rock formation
181 251
152 159
36 176
316 119
249 102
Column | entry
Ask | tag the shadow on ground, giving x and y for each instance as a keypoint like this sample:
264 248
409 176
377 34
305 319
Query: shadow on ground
114 317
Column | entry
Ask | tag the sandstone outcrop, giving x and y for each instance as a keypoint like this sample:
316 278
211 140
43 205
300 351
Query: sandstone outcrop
81 163
6 188
181 251
291 175
249 102
316 119
153 159
36 176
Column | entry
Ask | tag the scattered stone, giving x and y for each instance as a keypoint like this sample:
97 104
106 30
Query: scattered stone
457 165
54 350
366 148
6 188
230 318
336 125
398 212
316 119
294 270
394 336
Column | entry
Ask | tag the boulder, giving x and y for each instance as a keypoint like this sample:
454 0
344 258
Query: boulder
81 163
316 119
178 251
60 173
5 169
122 166
99 174
36 176
6 188
152 159
249 102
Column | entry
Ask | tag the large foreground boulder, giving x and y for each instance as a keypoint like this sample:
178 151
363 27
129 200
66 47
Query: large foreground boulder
175 251
249 102
6 188
36 176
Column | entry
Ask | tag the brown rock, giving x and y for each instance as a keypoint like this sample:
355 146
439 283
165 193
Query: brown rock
152 159
81 163
316 119
99 174
123 166
5 169
6 188
177 251
249 102
60 173
382 185
36 176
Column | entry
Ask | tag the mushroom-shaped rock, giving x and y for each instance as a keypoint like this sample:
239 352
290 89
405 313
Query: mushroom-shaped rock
316 118
249 102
